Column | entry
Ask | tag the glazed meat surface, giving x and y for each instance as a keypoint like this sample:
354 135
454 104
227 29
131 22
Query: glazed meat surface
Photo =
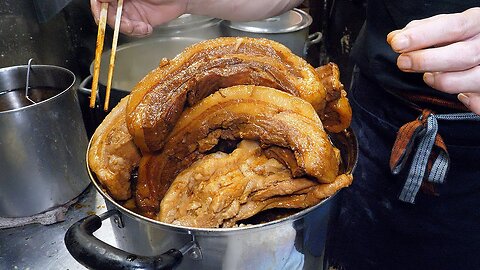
266 115
158 100
224 90
337 114
221 189
113 155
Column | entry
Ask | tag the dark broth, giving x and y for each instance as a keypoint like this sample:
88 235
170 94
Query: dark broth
15 99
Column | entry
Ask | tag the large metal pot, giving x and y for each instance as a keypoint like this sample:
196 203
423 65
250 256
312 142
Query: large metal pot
42 147
293 242
291 29
186 25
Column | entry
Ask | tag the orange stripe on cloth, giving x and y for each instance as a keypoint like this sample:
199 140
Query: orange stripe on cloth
406 141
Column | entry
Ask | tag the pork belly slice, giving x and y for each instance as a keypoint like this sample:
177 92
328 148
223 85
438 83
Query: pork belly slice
112 154
158 100
337 114
263 114
220 189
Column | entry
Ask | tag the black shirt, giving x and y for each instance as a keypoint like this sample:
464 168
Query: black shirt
375 57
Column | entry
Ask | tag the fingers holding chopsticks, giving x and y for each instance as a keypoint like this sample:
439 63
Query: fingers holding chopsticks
99 48
133 21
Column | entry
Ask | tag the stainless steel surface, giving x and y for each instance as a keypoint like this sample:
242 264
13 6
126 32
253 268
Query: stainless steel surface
134 60
290 21
42 247
293 242
27 81
187 25
42 147
291 29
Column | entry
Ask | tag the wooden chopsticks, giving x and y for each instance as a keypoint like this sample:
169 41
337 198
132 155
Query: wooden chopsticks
102 23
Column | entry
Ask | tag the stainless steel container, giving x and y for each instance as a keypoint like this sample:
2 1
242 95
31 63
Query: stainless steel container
42 147
189 25
186 25
291 29
293 242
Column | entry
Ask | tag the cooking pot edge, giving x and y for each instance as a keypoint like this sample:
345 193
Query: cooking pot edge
48 100
351 160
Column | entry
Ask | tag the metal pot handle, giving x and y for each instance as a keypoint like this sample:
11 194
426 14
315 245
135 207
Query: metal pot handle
96 254
312 39
83 85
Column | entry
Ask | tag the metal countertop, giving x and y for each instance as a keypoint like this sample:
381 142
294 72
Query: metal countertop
38 246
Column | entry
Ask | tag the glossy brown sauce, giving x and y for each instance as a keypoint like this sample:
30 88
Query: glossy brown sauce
15 99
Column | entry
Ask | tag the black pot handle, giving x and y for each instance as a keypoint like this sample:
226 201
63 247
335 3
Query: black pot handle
96 254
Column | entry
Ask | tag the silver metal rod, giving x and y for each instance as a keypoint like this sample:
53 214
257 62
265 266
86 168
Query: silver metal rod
27 86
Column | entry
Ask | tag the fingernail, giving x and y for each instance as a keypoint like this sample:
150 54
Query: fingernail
404 62
464 99
149 29
428 78
391 35
400 42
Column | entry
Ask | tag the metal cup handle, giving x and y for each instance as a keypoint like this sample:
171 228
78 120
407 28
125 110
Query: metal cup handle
83 85
96 254
312 39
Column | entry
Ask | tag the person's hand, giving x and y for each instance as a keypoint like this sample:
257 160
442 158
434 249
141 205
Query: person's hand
139 16
446 48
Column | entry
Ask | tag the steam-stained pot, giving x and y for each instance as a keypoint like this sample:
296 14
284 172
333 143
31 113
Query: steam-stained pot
43 143
293 242
290 28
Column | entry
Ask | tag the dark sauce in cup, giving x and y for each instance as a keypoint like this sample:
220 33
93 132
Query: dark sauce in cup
15 99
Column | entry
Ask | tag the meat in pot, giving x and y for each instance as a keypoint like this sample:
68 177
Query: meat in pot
230 89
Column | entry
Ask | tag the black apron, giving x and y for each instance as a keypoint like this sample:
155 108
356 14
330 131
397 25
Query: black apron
373 229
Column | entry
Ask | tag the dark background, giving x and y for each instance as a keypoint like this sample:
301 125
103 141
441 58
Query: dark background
68 39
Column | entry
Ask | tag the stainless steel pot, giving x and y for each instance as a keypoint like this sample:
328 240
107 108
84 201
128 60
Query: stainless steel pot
186 25
293 242
291 29
42 147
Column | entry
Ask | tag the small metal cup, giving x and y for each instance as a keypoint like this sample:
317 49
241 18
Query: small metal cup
42 144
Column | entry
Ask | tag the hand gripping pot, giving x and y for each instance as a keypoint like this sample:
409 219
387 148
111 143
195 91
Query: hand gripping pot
293 242
43 142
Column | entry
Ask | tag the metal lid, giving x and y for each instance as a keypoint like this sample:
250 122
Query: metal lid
290 21
187 20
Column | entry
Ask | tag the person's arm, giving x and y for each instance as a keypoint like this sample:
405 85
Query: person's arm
140 16
240 10
446 48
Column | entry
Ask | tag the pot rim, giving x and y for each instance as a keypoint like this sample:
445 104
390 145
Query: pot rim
48 100
199 231
307 20
186 22
133 44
